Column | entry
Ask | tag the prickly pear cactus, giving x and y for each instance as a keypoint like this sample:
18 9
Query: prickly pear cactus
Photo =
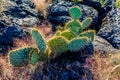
68 34
89 34
20 57
86 23
78 44
38 38
75 13
43 57
74 26
58 45
58 33
73 37
34 56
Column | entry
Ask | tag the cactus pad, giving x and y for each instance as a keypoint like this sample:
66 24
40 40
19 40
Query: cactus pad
74 26
20 57
75 13
58 33
86 23
43 57
58 45
77 44
34 56
68 34
37 37
90 34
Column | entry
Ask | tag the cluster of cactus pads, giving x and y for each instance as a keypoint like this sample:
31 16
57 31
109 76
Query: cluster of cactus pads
73 38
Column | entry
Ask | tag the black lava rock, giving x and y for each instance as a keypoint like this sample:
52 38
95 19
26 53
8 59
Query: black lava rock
67 70
58 12
67 66
110 31
7 34
21 12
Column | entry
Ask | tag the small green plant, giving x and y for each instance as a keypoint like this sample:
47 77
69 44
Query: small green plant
78 27
75 25
72 38
117 3
1 6
104 3
77 0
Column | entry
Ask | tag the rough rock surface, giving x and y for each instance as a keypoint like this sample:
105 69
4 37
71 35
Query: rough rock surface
15 14
21 12
58 12
65 70
102 46
108 3
111 31
7 34
67 66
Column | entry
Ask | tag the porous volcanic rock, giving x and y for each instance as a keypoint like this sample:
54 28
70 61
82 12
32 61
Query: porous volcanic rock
111 30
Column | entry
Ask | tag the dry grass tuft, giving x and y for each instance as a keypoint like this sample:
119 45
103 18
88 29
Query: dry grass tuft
7 72
27 41
102 64
42 5
45 28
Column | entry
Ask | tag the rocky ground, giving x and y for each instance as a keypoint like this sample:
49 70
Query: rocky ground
19 16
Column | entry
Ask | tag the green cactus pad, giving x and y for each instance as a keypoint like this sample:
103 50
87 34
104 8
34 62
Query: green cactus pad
74 26
117 4
90 34
75 13
103 2
19 57
68 34
86 23
37 37
58 45
58 33
43 57
34 56
78 44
